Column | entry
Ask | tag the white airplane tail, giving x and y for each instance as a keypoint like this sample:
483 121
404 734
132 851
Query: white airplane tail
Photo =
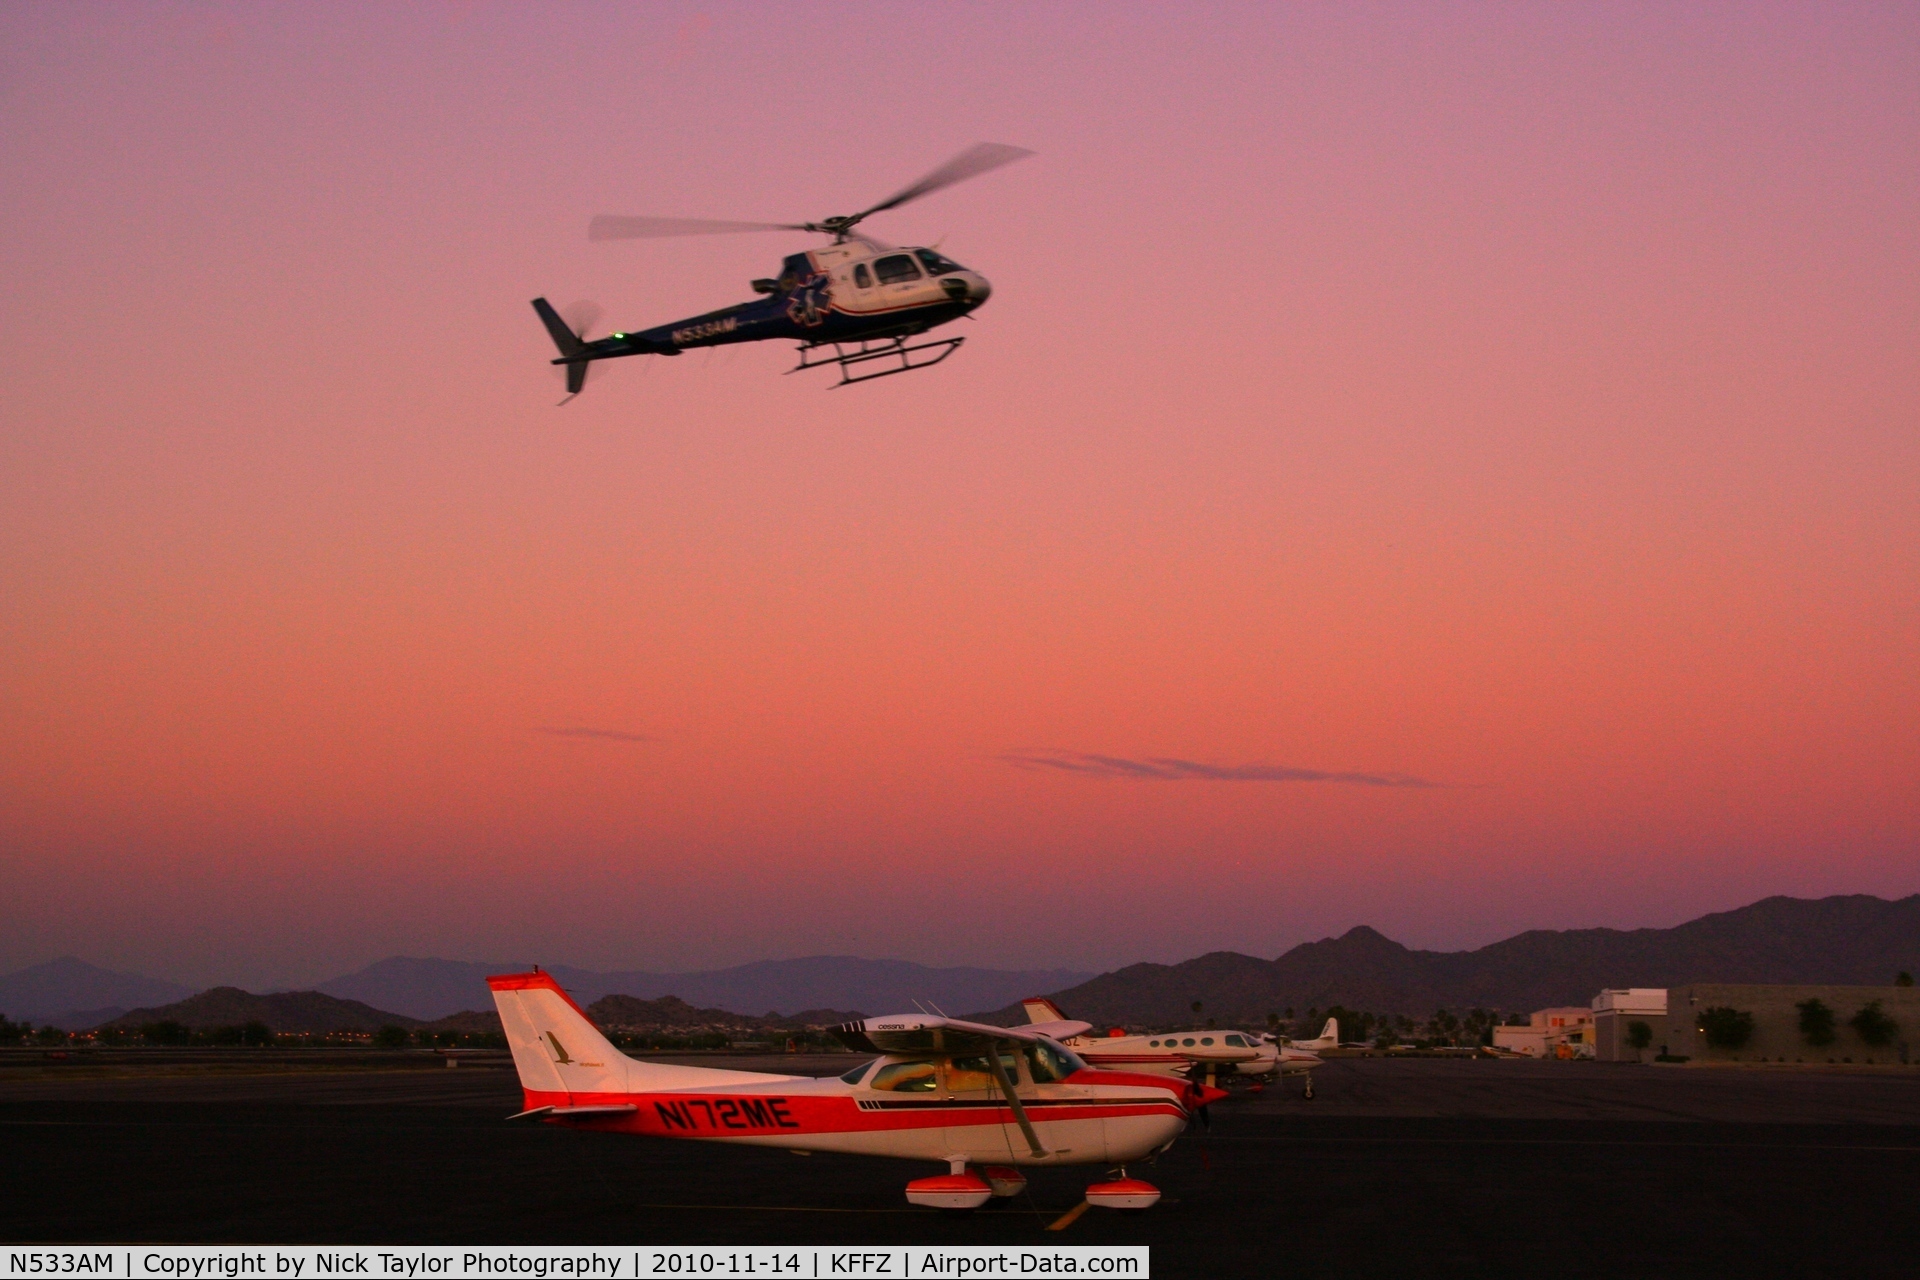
1041 1009
561 1056
1329 1037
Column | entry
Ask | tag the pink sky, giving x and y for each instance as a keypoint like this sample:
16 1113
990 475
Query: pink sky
1518 399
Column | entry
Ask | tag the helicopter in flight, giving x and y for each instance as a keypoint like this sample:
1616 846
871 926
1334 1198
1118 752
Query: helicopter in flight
856 303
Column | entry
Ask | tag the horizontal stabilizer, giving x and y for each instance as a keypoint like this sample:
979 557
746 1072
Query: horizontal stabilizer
542 1113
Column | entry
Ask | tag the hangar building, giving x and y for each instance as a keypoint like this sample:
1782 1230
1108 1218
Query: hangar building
1787 1023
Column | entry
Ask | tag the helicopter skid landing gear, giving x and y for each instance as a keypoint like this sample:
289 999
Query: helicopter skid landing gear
849 354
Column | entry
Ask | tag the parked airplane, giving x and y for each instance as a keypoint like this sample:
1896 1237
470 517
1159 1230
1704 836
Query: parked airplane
981 1100
1199 1054
1329 1037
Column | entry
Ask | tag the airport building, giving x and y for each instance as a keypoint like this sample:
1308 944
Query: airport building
1733 1022
1549 1033
1625 1017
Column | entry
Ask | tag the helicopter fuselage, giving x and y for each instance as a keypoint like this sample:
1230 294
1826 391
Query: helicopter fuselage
846 292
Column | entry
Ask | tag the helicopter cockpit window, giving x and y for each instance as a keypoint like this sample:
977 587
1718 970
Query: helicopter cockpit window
862 276
894 269
935 264
906 1077
795 268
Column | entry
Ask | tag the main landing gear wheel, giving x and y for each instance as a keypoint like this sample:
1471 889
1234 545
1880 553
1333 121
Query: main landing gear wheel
1308 1095
951 1192
1004 1179
1128 1195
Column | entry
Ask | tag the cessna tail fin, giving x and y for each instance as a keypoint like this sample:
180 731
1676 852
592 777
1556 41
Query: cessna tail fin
558 1051
572 348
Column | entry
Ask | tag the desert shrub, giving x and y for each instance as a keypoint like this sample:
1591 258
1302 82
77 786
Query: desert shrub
1726 1028
391 1037
1639 1035
166 1031
256 1033
1903 979
1873 1026
1816 1022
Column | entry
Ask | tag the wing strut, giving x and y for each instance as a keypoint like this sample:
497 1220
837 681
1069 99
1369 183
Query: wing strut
1013 1100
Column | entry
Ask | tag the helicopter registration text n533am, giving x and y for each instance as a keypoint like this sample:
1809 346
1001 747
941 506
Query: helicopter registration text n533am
855 303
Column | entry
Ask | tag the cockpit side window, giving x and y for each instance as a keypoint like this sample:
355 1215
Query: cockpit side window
853 1076
906 1077
935 264
967 1075
895 269
1237 1042
862 276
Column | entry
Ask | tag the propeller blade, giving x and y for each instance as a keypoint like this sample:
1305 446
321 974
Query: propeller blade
608 226
980 158
582 316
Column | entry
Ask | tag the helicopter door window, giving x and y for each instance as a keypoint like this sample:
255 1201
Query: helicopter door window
896 269
862 276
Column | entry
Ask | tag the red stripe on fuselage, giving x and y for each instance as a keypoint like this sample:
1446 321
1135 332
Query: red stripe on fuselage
742 1115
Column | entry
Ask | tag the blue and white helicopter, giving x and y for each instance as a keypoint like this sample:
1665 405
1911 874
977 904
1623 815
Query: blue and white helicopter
863 301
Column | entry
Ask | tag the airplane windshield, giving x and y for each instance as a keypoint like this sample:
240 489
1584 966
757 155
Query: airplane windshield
853 1076
1049 1062
935 264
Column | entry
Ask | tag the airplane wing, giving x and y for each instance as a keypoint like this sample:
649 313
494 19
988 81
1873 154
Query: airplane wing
921 1033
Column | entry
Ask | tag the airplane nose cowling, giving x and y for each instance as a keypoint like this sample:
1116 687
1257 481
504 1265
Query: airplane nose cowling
978 289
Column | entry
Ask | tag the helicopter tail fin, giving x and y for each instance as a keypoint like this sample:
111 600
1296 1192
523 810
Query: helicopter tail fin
571 347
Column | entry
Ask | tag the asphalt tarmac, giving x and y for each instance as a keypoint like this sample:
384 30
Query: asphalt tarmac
1428 1167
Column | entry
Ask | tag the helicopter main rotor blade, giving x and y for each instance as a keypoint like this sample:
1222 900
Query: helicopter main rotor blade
980 158
608 226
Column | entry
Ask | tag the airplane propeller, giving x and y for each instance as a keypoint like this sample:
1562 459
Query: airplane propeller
980 158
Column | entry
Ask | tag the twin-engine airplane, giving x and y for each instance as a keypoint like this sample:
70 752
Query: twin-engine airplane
864 299
1198 1054
982 1100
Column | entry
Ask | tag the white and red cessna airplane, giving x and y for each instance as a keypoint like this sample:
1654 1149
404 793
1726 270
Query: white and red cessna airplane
959 1093
1198 1054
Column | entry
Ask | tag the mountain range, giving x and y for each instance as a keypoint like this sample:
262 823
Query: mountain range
69 992
1856 939
286 1012
73 994
428 988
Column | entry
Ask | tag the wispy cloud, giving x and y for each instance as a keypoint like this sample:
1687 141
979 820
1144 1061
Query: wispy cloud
1168 769
610 735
